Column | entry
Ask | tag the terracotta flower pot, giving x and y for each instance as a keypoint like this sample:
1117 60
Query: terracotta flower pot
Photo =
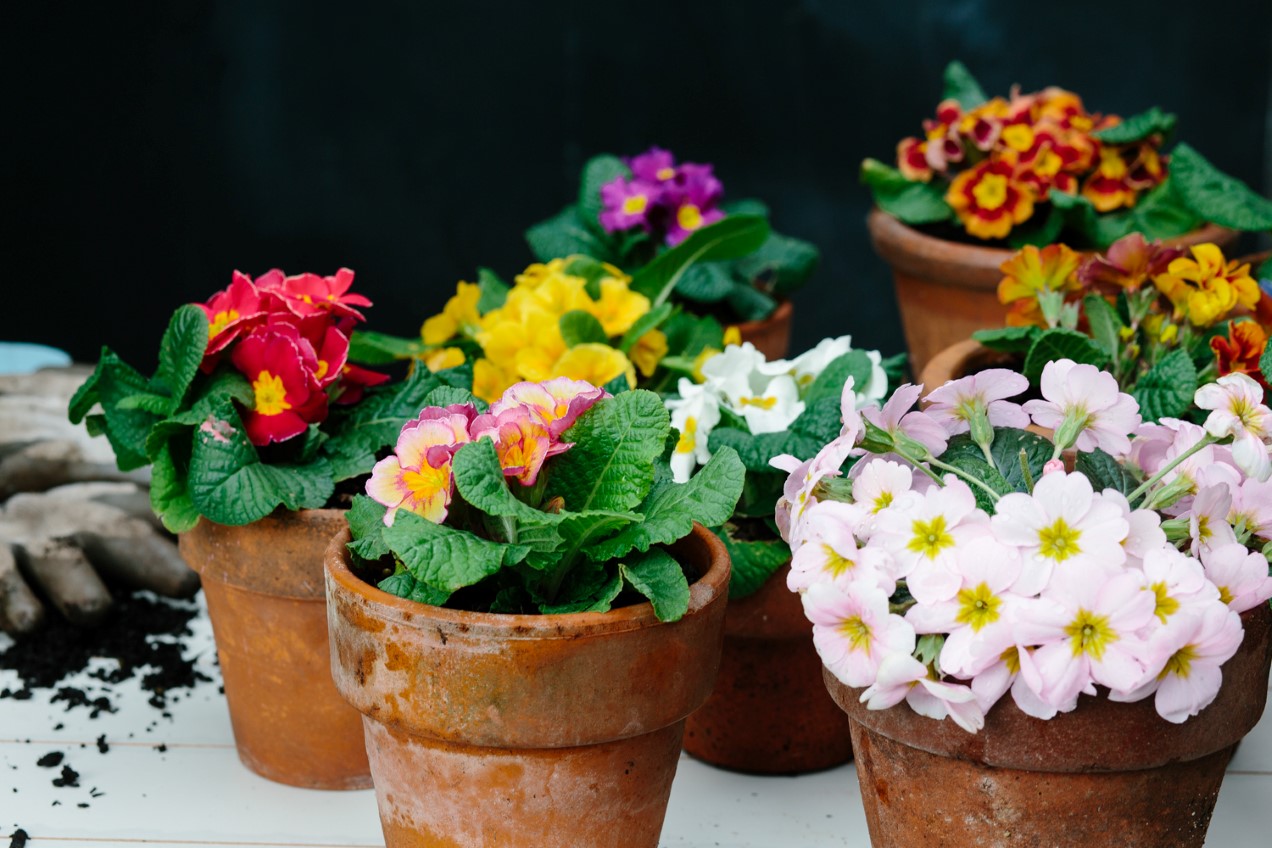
557 731
772 335
947 290
769 712
264 588
962 358
1104 774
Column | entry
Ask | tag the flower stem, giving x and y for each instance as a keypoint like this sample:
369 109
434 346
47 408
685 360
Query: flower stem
1205 442
961 473
1024 469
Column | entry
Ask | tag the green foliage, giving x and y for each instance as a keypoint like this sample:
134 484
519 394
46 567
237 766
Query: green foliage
1062 344
567 234
1216 197
180 353
909 202
1105 472
598 171
754 562
816 425
444 557
1040 231
730 238
960 85
366 523
657 576
579 327
404 585
706 282
782 264
651 320
494 291
986 474
1167 390
963 453
1105 323
1008 339
1139 127
371 348
830 382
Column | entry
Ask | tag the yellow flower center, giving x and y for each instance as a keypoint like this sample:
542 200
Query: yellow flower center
836 564
882 502
1019 136
1011 656
665 173
1225 594
220 322
858 633
321 370
930 537
689 217
761 402
991 191
1090 634
635 205
427 480
977 607
271 397
1166 605
1180 662
1059 541
688 436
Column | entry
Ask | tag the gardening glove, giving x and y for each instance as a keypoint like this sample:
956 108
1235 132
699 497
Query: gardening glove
60 537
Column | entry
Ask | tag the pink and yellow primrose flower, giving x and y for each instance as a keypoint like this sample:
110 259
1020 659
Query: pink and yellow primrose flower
556 404
417 476
280 365
522 443
989 200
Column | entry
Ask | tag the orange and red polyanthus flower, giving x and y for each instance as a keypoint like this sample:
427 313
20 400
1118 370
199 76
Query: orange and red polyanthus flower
990 200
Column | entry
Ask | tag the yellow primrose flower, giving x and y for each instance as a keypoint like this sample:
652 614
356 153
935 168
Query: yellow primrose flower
649 351
732 335
699 361
619 307
538 272
596 364
443 358
1206 287
490 381
459 315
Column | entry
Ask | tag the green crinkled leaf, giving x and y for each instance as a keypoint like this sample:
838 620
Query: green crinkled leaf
1167 390
960 85
404 585
688 334
579 327
592 270
126 429
481 482
709 497
657 576
230 485
616 442
1008 442
590 587
817 424
749 303
1215 196
745 206
1105 323
908 201
897 369
982 471
1139 127
1265 363
830 382
754 562
443 557
1104 472
158 405
371 348
1008 339
707 282
598 171
181 352
375 422
1159 214
1062 344
494 291
781 265
453 396
170 493
565 235
649 321
730 238
366 525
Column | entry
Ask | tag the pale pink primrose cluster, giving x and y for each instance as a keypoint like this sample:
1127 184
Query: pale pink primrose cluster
1062 588
526 425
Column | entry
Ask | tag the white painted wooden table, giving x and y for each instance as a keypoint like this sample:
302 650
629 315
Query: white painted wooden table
196 792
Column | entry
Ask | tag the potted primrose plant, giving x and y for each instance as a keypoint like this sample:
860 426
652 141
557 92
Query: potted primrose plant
1162 320
253 427
769 712
630 211
575 317
1122 603
994 174
527 609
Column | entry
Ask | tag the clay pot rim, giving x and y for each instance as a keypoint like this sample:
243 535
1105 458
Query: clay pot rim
889 231
778 315
702 592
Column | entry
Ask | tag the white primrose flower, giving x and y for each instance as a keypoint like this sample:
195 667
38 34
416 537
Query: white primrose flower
768 403
695 413
1083 405
809 365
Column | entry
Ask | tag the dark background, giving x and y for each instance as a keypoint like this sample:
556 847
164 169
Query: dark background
154 146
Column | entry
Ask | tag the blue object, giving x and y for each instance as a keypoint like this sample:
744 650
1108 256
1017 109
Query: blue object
23 358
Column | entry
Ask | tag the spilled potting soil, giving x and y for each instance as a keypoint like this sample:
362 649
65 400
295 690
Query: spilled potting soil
143 636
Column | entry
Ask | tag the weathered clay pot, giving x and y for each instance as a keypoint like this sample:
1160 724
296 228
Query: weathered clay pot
947 290
557 731
769 712
962 358
772 335
264 588
1105 774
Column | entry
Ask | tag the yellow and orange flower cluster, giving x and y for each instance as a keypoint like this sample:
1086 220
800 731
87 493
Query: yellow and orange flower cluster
522 339
1205 289
1007 155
